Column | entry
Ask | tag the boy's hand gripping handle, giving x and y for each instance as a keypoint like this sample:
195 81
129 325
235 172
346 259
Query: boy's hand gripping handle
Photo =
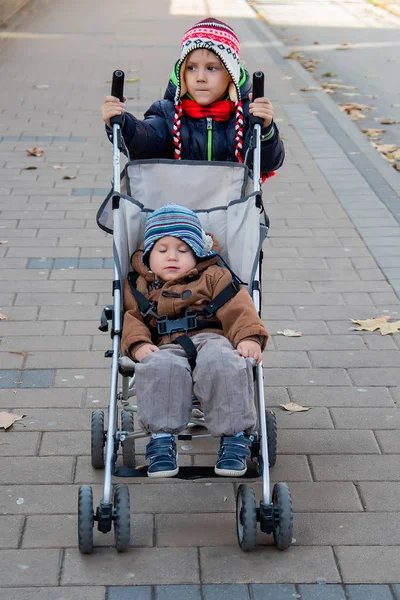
258 92
117 90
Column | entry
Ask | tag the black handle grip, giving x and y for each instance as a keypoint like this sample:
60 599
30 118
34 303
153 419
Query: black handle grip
258 92
117 90
117 86
258 85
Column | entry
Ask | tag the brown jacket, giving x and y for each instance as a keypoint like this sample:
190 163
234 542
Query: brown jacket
238 317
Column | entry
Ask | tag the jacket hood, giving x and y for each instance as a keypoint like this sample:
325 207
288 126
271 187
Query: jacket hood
140 267
244 84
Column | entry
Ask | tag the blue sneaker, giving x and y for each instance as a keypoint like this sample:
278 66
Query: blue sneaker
163 457
232 456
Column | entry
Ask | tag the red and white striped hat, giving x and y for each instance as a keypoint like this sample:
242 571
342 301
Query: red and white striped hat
217 37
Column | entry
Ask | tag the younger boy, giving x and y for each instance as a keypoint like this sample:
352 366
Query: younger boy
178 274
206 110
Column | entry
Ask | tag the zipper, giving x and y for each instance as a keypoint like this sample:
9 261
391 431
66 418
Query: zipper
209 138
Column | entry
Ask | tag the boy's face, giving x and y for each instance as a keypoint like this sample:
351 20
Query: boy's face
170 258
205 76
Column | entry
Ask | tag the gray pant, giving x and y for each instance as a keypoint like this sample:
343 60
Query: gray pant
222 381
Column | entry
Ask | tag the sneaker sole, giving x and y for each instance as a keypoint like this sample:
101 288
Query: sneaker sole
229 472
163 473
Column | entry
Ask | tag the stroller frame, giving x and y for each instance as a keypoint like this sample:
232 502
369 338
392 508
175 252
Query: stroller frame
275 511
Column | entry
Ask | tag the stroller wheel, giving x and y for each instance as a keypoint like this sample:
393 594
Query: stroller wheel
98 439
272 437
85 519
283 527
122 518
246 518
128 446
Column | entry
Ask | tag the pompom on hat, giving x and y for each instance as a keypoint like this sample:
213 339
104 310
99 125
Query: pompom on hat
180 222
219 38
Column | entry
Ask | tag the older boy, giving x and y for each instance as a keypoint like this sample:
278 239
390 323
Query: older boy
205 113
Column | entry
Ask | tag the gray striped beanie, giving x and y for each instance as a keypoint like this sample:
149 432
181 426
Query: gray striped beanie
177 221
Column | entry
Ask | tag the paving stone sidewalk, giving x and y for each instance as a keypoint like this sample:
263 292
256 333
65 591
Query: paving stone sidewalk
333 253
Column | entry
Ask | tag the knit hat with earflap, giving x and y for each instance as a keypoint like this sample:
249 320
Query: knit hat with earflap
180 222
219 38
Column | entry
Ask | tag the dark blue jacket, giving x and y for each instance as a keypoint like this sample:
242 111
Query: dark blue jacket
152 137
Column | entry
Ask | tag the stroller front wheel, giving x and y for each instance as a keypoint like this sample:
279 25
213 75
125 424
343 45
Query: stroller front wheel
272 437
122 518
85 519
246 518
98 439
283 526
128 445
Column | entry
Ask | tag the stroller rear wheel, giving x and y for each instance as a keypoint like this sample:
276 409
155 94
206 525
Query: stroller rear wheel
128 445
272 437
283 526
246 518
98 439
85 519
122 518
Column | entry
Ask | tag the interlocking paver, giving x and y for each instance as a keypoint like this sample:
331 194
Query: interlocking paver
144 566
29 567
322 592
276 591
369 564
53 593
369 592
222 565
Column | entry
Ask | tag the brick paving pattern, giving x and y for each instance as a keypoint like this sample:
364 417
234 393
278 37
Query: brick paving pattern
333 253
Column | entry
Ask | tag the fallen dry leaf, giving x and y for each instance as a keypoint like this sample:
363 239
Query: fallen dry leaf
396 154
393 327
19 352
338 86
35 151
69 177
396 166
294 55
3 242
369 324
374 132
3 317
353 109
7 419
290 333
330 74
311 89
30 168
388 121
345 46
58 167
385 148
293 407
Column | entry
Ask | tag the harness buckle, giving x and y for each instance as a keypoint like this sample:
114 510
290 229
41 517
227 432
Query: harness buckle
150 310
166 326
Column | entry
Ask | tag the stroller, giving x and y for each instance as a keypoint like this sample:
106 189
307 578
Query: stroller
228 202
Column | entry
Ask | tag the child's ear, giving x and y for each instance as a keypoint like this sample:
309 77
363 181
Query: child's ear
232 92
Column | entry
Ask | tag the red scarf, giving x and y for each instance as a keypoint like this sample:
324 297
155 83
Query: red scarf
221 110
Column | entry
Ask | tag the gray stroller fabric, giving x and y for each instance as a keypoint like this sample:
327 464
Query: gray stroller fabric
220 193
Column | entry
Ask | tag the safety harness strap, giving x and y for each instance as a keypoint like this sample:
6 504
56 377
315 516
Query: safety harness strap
222 298
189 348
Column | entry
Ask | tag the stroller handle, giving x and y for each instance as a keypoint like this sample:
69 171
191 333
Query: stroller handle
117 90
258 92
